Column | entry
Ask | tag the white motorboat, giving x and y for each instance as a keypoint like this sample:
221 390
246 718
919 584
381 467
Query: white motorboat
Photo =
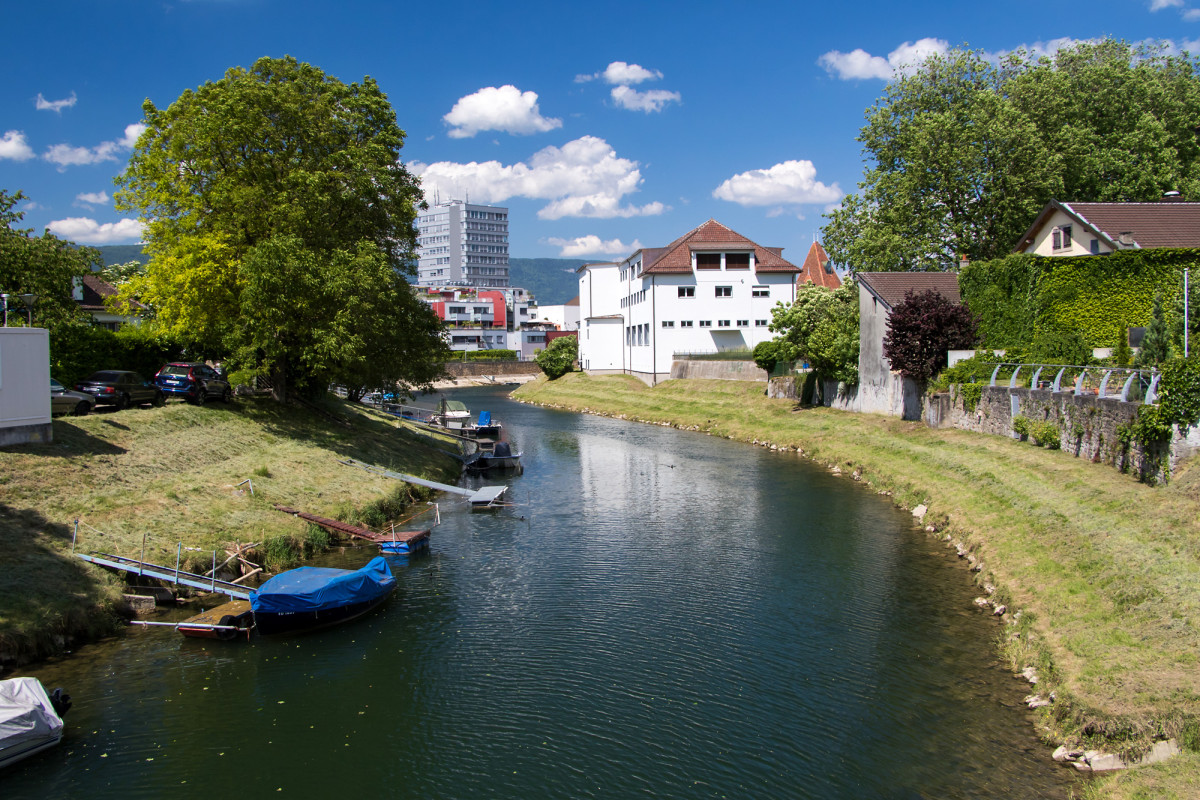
30 719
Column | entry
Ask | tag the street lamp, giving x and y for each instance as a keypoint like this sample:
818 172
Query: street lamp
29 299
4 305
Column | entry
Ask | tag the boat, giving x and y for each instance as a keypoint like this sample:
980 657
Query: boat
484 428
227 621
403 543
500 456
30 720
310 598
451 415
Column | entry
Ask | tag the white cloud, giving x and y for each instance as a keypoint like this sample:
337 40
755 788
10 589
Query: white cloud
789 182
583 178
593 245
132 132
13 146
861 65
504 108
89 199
55 105
652 100
619 72
1191 15
64 155
1159 5
87 231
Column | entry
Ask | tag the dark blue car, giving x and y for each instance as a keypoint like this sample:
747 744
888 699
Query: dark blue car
193 381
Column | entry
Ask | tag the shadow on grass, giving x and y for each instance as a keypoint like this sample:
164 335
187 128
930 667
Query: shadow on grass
49 599
70 440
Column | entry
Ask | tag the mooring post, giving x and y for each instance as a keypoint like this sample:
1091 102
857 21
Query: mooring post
74 536
214 572
178 554
142 563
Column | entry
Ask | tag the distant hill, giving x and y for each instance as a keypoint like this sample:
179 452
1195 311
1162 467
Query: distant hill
122 254
551 280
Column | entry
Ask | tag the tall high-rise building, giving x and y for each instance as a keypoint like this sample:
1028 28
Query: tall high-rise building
459 244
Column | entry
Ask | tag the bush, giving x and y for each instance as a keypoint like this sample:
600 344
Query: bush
766 355
1046 434
1021 425
559 357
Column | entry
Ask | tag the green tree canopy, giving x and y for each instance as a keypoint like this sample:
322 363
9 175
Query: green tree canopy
42 265
963 153
559 356
279 224
820 328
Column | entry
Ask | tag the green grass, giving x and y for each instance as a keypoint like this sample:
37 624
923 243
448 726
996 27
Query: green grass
175 474
1105 570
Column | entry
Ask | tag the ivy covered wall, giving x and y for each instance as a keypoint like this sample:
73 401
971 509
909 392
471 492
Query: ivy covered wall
1019 297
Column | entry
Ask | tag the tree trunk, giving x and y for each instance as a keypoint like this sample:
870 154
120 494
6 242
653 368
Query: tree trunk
279 384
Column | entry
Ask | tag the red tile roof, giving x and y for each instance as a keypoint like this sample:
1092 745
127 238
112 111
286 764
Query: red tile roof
891 287
817 270
1161 224
712 235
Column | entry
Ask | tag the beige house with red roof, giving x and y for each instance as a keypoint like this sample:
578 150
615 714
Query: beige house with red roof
711 289
1080 229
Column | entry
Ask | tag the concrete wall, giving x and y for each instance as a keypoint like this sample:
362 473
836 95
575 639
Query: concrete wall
1088 424
879 389
718 370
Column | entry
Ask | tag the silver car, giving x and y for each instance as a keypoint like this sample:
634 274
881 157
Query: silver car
65 401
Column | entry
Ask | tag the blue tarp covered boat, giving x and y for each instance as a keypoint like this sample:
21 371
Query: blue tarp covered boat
316 597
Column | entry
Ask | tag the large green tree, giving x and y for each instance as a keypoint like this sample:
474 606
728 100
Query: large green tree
42 265
279 224
821 329
963 153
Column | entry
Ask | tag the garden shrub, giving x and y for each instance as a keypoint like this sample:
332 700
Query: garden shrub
559 357
1046 434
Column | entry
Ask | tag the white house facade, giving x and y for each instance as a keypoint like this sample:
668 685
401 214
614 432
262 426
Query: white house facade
712 289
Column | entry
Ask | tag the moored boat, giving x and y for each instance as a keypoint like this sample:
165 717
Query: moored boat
485 427
451 415
310 598
501 456
30 719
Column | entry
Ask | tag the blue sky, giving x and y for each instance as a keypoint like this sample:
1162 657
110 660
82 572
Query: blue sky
602 127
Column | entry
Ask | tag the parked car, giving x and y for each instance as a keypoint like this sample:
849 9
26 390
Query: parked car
65 401
193 381
120 388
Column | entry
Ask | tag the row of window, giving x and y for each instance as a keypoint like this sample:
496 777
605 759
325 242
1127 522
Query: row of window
636 297
721 323
725 291
714 260
486 215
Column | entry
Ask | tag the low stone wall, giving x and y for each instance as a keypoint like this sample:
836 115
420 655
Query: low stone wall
474 369
718 370
1089 424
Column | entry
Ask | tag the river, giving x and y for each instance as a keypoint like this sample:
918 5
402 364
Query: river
662 614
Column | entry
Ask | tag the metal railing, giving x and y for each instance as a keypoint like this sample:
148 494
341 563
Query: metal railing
1134 383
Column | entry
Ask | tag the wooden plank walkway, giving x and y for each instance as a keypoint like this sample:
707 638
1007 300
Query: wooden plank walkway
356 531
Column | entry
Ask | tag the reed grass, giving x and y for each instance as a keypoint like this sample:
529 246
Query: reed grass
1105 570
178 475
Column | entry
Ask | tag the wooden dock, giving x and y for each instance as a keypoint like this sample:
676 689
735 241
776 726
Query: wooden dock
226 621
410 537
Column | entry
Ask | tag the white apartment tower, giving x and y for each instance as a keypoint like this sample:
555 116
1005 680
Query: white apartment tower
459 244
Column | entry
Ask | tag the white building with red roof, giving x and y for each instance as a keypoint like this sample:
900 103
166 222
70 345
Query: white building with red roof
711 289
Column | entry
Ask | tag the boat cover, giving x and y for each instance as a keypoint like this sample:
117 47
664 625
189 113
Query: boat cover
502 450
315 588
27 718
485 418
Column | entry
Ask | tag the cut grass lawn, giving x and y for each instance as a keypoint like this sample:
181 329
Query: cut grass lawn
173 474
1105 570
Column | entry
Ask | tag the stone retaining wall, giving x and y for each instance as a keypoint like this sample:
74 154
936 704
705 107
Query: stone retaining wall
473 369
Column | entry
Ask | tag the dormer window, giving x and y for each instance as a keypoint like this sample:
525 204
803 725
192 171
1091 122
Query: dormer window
708 260
737 261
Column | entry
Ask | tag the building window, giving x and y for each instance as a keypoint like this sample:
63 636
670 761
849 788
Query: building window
706 323
1061 237
687 291
456 309
722 323
685 323
760 291
743 323
668 323
1095 247
724 291
708 260
737 261
760 323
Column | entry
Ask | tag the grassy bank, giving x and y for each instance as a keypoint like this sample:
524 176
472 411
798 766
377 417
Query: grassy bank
173 474
1105 571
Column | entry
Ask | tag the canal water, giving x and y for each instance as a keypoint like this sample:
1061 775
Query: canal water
663 614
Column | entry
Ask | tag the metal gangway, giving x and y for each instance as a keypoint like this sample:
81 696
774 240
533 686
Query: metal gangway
176 575
483 497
